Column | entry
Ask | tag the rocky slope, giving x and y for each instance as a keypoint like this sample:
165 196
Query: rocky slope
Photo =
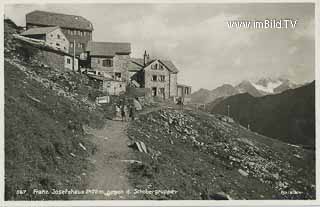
202 156
45 110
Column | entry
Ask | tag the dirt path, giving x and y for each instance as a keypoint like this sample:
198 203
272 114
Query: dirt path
111 160
111 174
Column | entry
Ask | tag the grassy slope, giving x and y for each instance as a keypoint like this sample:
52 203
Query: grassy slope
176 162
39 137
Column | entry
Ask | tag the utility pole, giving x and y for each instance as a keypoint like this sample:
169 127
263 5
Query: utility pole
74 54
228 110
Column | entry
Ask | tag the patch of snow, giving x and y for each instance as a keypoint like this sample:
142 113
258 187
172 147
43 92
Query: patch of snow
269 88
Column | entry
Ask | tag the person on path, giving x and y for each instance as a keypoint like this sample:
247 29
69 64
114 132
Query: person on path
123 113
131 112
126 114
118 112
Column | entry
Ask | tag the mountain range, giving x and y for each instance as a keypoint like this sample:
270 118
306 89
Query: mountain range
262 87
288 116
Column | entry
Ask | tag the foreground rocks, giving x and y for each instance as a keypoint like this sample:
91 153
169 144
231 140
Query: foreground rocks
201 151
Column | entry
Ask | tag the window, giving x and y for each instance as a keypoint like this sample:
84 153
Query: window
68 60
162 78
57 44
154 78
117 76
58 36
71 44
161 67
98 61
155 66
107 63
154 91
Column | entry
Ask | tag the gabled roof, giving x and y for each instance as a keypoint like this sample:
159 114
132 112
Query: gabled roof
167 63
108 48
57 19
39 30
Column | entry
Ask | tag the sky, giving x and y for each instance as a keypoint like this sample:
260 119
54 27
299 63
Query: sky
196 37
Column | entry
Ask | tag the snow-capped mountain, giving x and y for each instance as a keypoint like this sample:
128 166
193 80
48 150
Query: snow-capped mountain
261 87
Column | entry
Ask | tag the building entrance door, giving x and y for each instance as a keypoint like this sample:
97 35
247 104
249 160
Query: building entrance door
154 91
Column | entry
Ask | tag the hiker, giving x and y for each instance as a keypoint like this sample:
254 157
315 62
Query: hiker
123 113
131 112
118 112
126 113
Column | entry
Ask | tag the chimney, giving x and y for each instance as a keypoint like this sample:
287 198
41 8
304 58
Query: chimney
145 58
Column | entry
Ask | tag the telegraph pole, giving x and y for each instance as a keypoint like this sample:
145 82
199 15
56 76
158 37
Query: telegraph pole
74 54
228 110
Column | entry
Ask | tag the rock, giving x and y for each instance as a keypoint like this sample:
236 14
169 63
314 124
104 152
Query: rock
139 145
81 145
219 196
243 173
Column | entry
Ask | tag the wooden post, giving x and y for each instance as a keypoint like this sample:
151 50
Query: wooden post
74 54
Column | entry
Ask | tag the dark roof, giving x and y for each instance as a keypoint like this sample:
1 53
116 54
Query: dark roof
108 48
168 63
183 85
56 19
39 30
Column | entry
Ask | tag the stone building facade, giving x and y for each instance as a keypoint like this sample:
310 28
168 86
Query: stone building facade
110 59
157 78
77 29
53 36
160 76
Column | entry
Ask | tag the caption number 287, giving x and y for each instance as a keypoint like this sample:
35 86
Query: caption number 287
21 192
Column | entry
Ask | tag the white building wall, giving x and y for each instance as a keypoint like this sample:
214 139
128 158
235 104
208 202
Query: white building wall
58 40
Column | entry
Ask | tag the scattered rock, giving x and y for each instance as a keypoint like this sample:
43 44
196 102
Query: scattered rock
220 196
243 173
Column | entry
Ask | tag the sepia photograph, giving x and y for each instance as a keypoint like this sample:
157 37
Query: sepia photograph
159 101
